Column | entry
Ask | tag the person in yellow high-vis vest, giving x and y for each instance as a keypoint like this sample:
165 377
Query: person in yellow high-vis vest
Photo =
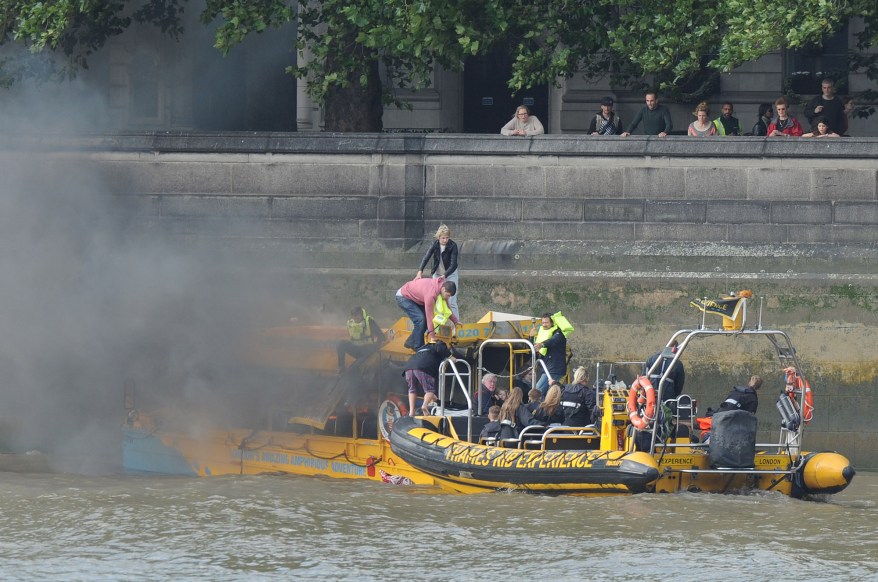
365 335
551 346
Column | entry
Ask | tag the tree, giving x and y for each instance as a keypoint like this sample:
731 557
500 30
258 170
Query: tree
350 42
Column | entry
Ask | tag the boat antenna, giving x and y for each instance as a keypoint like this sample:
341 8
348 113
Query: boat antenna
703 313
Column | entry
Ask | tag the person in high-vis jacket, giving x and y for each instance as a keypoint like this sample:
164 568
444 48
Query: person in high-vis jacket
551 345
365 337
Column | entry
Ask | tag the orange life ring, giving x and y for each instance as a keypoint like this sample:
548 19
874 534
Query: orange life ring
796 383
642 383
403 407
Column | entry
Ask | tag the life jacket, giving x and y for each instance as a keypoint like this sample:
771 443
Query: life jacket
359 332
561 323
542 335
441 311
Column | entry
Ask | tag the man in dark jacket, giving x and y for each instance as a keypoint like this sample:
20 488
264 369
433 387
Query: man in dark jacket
551 345
743 397
673 386
656 118
422 370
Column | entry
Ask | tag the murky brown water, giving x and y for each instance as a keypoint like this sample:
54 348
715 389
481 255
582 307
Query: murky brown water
68 527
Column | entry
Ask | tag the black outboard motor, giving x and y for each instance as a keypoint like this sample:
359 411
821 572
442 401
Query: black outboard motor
790 418
733 440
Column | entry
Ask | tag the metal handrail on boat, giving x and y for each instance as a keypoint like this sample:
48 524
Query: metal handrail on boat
508 342
455 373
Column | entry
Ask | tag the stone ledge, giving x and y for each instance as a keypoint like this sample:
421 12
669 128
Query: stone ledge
431 144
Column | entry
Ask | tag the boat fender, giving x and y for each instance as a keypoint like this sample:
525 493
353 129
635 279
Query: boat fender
641 392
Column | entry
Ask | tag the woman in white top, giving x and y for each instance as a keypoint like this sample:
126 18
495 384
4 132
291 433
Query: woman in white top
702 127
523 123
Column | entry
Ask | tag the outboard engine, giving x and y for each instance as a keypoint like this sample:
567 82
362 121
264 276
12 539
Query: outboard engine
733 440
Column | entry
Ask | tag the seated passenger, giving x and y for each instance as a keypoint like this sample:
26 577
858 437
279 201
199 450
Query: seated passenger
578 400
513 415
549 411
492 429
533 399
488 394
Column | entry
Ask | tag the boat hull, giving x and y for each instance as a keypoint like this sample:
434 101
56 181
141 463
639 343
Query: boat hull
462 465
244 452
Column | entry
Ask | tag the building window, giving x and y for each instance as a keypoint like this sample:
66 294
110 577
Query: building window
805 68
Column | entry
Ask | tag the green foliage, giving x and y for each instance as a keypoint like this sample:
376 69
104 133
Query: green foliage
341 41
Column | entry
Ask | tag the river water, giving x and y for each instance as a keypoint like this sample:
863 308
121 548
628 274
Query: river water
119 527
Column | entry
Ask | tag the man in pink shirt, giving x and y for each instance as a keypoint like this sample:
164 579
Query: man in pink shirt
417 298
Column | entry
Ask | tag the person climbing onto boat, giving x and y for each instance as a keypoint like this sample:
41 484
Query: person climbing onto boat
492 429
673 385
578 400
365 335
444 253
422 370
513 415
551 345
743 397
549 411
418 298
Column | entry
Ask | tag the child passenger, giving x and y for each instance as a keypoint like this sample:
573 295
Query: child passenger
492 429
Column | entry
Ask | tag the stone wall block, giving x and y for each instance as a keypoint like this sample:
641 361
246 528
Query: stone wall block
758 233
551 209
738 212
674 211
652 183
858 234
299 178
289 208
715 184
856 213
652 231
844 184
438 209
584 182
801 212
613 210
459 180
519 181
778 184
315 229
215 206
597 231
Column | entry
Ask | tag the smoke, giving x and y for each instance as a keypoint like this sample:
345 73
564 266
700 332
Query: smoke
94 294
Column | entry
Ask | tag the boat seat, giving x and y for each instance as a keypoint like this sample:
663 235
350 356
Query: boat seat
509 443
460 424
572 442
488 441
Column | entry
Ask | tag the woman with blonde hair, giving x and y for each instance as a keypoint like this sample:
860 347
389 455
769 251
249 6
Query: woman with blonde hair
702 126
444 253
549 411
578 400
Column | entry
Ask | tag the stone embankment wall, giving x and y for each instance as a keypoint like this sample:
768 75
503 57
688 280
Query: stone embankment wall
619 233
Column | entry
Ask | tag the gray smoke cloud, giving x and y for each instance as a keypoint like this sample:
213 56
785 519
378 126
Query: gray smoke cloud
93 296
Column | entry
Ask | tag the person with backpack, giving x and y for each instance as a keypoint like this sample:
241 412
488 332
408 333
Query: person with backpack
606 122
514 415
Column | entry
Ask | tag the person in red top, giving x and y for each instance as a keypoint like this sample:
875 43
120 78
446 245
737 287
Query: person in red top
417 298
783 125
